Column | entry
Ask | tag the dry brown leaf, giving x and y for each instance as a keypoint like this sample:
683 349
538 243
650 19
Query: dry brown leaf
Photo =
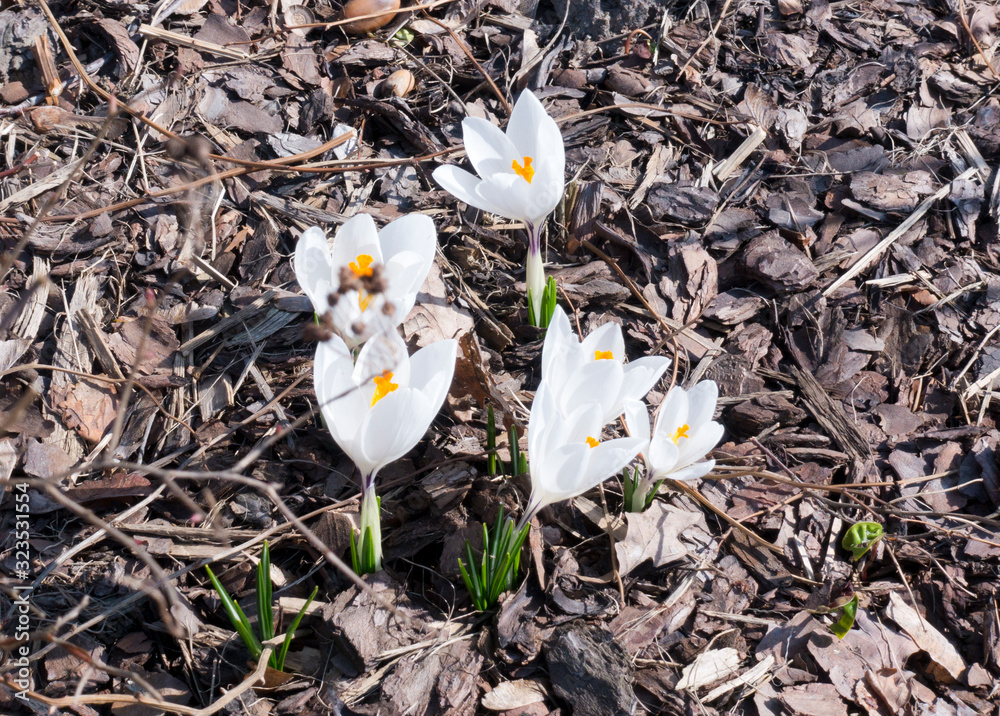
87 408
116 488
947 664
892 192
126 49
776 263
12 350
45 460
653 535
515 694
434 318
691 282
814 700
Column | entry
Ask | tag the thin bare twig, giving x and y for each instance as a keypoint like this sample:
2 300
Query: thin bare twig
468 53
254 679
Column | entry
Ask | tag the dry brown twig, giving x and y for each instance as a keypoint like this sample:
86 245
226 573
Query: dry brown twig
253 679
979 48
479 68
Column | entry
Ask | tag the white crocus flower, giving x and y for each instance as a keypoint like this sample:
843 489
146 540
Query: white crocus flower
595 368
377 414
567 456
397 258
683 434
522 175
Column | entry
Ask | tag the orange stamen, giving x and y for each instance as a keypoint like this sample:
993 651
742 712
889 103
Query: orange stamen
383 386
363 265
525 172
364 299
593 443
681 432
603 355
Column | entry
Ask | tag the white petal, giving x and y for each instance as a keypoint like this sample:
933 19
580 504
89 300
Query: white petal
661 457
333 370
385 352
607 337
582 423
544 414
673 415
509 195
561 473
558 336
525 122
642 374
489 149
551 148
701 402
607 459
637 419
394 426
404 274
413 232
342 404
546 190
699 444
598 382
672 412
356 236
693 472
432 369
314 267
463 185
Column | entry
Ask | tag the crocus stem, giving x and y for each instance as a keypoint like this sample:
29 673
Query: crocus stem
639 493
529 512
535 273
370 519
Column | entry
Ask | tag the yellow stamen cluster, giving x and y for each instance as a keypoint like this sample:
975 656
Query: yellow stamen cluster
525 172
603 355
362 266
592 442
681 432
383 386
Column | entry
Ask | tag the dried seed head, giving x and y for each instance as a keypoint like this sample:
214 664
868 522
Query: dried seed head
374 282
322 331
194 147
371 284
349 281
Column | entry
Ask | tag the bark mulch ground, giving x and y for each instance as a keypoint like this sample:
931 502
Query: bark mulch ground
798 200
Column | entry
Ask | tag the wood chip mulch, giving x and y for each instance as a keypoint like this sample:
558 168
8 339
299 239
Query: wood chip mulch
798 200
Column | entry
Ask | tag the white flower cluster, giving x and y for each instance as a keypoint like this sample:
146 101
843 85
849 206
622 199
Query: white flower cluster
377 401
585 386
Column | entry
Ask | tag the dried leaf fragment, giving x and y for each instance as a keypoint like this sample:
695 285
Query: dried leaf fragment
653 535
946 663
709 667
514 695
